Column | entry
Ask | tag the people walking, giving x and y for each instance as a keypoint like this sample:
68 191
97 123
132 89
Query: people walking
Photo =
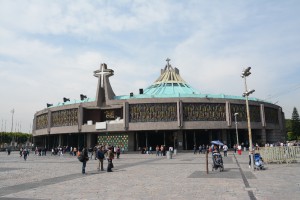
21 152
200 149
25 153
225 149
157 150
239 148
110 157
234 148
162 149
84 157
100 157
118 152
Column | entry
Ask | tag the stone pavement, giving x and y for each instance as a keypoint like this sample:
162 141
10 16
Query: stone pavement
140 176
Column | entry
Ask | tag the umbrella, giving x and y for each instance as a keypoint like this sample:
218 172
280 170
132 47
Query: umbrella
217 142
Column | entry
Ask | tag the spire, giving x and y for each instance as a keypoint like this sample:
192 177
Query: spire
104 90
169 74
169 83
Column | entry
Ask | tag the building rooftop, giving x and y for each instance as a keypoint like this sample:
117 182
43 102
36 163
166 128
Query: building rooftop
171 85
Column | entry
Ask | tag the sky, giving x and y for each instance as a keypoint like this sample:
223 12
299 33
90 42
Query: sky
50 49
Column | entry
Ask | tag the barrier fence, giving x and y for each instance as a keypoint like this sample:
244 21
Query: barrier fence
287 154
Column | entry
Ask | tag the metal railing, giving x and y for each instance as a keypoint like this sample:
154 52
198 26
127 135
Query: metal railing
282 154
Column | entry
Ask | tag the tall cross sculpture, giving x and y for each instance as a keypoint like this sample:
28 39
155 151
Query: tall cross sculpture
101 73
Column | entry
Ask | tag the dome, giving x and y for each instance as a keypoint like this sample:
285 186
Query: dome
170 83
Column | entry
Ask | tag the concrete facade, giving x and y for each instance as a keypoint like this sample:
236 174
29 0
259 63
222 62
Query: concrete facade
184 120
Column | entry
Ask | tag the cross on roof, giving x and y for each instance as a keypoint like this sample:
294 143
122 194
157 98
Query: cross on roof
101 73
168 60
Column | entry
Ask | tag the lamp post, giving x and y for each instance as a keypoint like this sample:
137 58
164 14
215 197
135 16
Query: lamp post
12 119
246 73
236 129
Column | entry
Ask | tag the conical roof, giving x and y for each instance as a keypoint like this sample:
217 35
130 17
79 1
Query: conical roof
169 83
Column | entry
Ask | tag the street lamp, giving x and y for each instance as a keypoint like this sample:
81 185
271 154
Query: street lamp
12 119
236 129
246 73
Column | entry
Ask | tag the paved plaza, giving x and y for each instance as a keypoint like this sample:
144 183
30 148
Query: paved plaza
142 176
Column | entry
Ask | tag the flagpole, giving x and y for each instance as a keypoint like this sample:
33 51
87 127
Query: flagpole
12 119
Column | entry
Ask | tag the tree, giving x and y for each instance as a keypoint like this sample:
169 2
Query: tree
295 124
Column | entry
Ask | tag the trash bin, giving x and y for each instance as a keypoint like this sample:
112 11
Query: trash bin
175 152
169 155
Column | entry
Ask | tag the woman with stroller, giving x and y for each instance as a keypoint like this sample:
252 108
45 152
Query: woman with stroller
217 159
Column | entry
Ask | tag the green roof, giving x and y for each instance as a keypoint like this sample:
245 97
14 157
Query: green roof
171 85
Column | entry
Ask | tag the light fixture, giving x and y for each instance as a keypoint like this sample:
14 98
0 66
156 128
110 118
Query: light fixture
236 128
82 97
66 99
49 105
246 72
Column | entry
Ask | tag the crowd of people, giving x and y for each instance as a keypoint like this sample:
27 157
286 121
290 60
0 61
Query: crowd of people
99 153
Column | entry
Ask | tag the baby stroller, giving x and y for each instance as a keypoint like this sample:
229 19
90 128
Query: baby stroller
258 162
217 162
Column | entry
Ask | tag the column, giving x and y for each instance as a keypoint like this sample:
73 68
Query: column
210 135
59 140
228 114
180 140
224 136
263 136
88 140
185 139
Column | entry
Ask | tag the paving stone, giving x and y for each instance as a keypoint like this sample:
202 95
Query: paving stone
138 176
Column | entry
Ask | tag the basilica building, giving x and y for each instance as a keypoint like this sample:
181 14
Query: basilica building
169 112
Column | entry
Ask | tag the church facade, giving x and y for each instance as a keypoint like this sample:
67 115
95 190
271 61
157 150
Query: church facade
169 112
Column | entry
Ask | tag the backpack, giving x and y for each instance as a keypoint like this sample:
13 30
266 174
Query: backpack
80 156
100 155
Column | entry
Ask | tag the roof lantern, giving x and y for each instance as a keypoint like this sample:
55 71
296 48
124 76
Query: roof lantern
169 83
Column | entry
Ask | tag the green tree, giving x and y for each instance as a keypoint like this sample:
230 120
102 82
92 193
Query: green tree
6 137
20 138
295 124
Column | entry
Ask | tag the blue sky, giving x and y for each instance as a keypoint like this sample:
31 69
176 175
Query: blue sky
49 49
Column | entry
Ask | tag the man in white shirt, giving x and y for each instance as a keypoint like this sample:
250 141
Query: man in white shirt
225 149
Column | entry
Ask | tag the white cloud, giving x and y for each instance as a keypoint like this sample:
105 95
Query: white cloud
49 49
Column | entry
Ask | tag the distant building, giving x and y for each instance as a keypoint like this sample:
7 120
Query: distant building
168 112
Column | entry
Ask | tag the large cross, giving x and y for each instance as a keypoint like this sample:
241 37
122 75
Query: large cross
101 73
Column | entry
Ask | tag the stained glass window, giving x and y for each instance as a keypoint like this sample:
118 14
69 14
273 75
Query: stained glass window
114 140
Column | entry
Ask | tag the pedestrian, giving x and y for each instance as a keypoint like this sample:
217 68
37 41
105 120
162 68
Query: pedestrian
251 153
84 157
234 148
95 149
21 152
25 154
150 150
157 150
200 148
118 151
239 148
100 157
195 149
74 151
162 150
90 152
110 157
225 149
71 151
